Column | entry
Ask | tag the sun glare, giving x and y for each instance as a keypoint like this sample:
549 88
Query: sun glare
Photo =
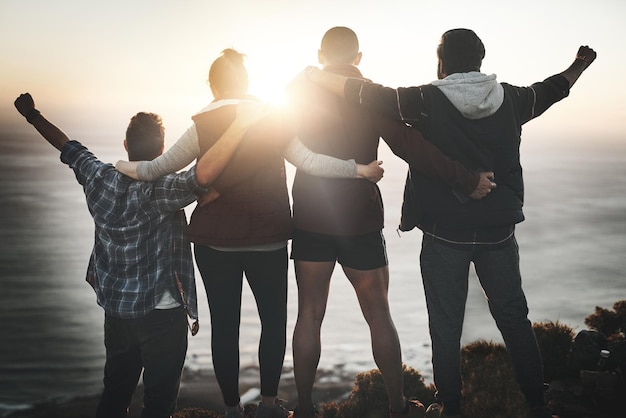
268 79
268 87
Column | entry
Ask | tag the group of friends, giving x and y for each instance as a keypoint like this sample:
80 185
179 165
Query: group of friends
460 136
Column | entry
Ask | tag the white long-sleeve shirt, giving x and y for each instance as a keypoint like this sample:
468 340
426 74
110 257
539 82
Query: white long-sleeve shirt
187 148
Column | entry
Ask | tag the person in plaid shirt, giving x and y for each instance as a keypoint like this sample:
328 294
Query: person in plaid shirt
141 266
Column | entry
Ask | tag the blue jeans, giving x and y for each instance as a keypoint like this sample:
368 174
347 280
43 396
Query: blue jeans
445 276
155 344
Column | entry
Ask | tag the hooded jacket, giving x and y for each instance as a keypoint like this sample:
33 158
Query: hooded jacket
332 126
476 120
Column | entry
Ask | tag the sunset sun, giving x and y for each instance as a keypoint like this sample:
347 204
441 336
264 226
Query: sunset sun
269 75
268 86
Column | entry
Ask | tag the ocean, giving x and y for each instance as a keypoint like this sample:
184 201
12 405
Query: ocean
572 248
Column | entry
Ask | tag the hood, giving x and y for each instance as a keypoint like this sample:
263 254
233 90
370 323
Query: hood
475 95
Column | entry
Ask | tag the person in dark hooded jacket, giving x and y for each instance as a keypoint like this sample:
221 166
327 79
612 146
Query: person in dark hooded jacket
478 121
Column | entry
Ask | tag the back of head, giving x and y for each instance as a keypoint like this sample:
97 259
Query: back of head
228 74
340 45
460 51
145 137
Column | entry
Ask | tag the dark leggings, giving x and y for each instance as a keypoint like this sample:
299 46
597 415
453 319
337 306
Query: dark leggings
222 274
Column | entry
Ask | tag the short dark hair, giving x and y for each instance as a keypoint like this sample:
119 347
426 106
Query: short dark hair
340 45
228 73
145 137
460 51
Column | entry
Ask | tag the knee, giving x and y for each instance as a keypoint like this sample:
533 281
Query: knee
510 315
377 315
311 317
449 336
513 322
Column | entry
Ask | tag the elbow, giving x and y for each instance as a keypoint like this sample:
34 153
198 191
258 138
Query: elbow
205 177
200 175
202 180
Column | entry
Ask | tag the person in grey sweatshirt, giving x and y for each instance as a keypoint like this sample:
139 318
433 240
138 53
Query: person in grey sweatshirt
477 120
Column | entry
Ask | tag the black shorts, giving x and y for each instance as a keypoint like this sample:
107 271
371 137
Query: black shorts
360 252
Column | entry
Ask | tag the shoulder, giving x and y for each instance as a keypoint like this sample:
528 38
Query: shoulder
419 92
217 109
71 150
81 160
302 92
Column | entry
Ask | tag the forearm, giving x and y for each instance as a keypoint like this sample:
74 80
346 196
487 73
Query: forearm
318 164
26 106
128 168
574 71
430 161
262 147
181 154
375 97
584 58
49 131
212 163
409 144
332 82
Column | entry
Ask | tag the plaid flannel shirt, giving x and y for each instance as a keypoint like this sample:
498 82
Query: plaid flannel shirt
140 245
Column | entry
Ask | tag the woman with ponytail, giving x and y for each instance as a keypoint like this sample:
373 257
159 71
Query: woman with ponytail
245 227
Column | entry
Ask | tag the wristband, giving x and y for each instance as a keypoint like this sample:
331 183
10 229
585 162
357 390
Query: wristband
32 114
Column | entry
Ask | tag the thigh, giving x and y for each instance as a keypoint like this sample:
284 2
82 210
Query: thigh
266 272
499 274
120 342
309 246
123 363
445 277
313 279
371 287
222 275
362 252
163 338
162 333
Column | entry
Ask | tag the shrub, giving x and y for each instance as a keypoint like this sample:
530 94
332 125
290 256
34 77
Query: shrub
555 343
489 386
196 413
610 323
368 398
248 412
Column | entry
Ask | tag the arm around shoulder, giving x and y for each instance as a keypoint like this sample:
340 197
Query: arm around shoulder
183 152
334 83
128 168
316 164
212 163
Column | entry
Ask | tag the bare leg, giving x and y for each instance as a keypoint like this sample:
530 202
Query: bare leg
371 287
313 280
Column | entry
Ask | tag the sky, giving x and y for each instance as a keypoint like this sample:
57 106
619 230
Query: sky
90 65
